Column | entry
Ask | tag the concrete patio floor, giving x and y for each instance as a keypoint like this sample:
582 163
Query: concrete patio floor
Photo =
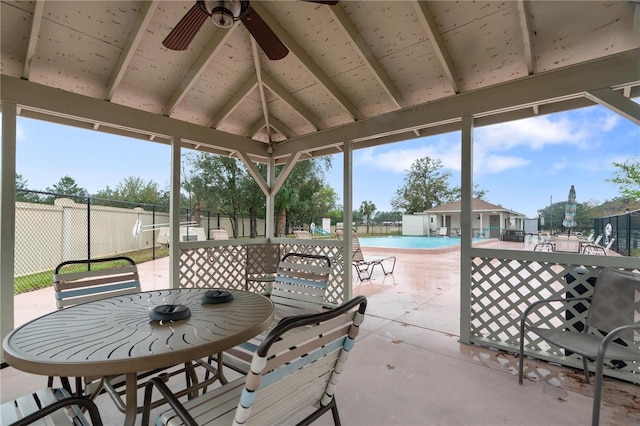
408 367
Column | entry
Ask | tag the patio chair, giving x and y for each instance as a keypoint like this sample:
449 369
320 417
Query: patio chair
442 232
611 320
295 368
219 234
81 281
74 282
261 266
598 249
299 288
544 246
365 265
49 406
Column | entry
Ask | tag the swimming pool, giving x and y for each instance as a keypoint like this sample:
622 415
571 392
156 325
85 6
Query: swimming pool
409 242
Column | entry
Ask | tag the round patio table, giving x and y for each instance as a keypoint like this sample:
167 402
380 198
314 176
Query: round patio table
115 335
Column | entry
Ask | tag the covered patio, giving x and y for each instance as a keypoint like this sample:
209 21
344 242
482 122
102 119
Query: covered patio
369 73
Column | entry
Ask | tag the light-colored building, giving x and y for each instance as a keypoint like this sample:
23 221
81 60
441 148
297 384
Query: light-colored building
488 221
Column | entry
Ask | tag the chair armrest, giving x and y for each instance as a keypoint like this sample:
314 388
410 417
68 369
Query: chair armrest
84 402
169 397
613 334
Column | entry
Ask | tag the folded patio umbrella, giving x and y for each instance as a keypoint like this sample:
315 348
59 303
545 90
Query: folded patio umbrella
570 211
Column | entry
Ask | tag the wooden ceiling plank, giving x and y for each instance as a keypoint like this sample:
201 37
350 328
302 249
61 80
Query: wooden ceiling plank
131 45
282 128
33 38
209 52
291 100
235 100
369 58
442 53
313 68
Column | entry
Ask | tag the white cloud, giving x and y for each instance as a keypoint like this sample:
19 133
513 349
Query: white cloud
504 146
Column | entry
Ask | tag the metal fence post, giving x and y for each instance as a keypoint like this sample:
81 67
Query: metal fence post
89 232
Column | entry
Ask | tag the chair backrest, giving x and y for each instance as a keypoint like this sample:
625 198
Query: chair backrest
298 364
597 241
301 283
442 231
218 234
356 251
615 300
609 244
75 282
304 235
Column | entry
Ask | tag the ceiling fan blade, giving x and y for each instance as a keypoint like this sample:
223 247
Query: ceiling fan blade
181 35
264 36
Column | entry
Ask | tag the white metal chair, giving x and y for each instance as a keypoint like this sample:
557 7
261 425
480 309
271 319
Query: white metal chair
612 320
299 288
295 368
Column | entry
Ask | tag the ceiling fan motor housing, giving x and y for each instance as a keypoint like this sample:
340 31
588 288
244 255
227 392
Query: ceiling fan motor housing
224 13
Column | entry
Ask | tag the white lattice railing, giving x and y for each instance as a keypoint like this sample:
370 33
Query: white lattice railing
504 283
225 264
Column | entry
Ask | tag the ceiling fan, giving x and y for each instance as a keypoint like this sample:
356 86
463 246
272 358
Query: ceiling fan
224 14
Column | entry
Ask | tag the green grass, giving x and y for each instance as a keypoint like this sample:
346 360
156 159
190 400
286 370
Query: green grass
40 280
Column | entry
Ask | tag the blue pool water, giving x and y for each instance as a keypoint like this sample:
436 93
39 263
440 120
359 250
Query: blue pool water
409 242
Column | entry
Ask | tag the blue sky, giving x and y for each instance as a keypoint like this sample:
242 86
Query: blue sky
522 164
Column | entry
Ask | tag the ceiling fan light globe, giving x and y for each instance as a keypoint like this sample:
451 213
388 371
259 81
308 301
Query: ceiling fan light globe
224 13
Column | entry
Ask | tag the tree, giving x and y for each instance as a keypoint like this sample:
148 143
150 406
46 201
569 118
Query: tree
456 193
627 177
304 198
67 186
425 186
22 191
367 208
217 184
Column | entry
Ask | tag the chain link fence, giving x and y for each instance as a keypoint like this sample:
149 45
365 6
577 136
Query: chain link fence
625 228
52 228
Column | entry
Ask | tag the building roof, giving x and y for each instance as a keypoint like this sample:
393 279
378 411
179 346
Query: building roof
478 206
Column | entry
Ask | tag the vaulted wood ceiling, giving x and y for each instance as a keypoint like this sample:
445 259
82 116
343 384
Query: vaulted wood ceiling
368 71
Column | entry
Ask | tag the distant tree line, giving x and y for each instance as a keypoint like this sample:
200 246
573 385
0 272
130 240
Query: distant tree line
224 185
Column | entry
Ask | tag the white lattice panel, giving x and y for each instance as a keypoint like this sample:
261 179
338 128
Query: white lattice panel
501 289
225 266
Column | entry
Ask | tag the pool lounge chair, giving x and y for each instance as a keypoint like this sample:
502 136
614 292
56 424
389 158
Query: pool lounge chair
366 264
302 235
598 249
218 234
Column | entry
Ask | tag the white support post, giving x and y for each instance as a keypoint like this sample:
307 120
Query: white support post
270 202
7 219
347 217
466 177
174 215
